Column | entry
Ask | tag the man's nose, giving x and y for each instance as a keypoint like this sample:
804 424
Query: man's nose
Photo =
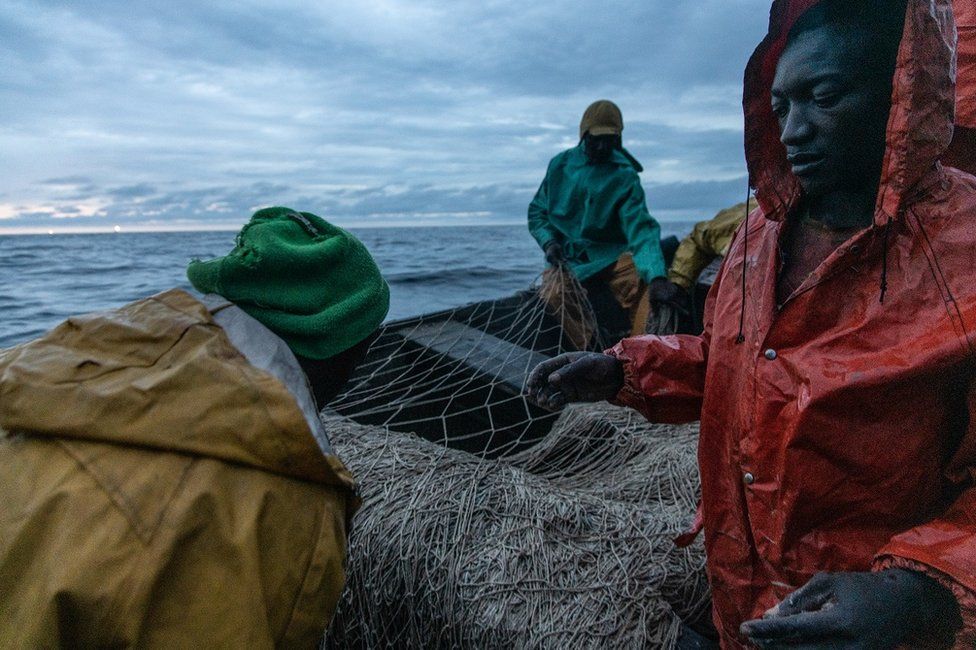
796 128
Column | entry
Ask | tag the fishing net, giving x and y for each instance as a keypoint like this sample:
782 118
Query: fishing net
564 299
455 377
487 522
663 319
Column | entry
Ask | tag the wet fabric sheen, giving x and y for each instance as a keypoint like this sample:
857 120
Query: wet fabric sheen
160 490
840 433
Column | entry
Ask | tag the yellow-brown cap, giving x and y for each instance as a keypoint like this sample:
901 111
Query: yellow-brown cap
602 117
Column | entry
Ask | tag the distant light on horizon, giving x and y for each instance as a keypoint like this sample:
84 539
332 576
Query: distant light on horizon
117 228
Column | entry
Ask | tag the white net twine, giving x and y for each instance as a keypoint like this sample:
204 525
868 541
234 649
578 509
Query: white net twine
487 522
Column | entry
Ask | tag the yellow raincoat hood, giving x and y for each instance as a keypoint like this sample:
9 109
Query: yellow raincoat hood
161 491
115 377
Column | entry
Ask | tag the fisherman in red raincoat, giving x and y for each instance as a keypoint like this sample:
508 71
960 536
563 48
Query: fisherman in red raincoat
835 380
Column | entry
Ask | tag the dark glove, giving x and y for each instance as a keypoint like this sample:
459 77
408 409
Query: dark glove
662 290
554 253
670 308
575 377
858 610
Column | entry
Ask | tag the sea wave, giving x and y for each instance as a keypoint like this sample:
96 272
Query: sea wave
46 279
460 274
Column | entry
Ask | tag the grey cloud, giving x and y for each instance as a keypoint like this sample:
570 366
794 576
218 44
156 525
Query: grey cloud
201 111
714 151
133 191
493 202
706 197
72 181
71 188
38 217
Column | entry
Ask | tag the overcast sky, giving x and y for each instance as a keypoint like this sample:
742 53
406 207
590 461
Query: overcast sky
194 114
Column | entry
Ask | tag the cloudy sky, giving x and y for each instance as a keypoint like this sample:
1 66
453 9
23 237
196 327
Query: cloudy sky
180 114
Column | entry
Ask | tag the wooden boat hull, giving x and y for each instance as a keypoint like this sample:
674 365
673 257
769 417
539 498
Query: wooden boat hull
455 377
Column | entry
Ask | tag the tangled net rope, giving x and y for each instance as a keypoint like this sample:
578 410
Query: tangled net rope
536 531
663 319
565 299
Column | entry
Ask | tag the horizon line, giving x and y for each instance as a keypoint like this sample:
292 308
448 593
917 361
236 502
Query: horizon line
143 229
124 229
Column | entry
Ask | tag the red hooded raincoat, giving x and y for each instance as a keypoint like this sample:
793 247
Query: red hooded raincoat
966 89
840 433
962 151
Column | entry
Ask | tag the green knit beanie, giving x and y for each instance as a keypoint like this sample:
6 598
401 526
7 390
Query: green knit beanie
311 283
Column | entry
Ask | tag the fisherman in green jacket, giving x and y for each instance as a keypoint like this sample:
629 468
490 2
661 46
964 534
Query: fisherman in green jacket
590 215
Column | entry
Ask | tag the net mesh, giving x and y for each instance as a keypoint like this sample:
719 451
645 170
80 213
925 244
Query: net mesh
488 522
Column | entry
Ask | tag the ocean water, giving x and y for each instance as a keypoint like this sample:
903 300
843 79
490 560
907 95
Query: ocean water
46 278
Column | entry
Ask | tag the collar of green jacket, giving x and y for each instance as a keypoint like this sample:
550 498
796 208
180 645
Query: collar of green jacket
159 373
620 157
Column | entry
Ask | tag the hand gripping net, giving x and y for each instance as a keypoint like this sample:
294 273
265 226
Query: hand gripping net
487 522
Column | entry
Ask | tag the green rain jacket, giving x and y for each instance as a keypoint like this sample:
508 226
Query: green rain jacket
597 213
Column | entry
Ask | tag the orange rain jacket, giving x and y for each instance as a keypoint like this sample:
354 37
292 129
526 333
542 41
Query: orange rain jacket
962 151
839 434
965 11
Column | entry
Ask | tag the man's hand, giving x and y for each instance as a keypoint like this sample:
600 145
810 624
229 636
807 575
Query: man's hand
670 308
858 610
663 290
554 253
575 377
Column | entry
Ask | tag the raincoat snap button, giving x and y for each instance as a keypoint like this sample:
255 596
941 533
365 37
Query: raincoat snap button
770 354
748 478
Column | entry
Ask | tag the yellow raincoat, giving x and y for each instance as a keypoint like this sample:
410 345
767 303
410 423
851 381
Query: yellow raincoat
708 240
160 490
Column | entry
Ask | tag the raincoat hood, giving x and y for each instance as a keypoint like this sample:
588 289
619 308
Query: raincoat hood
115 377
624 157
162 490
965 11
620 157
919 126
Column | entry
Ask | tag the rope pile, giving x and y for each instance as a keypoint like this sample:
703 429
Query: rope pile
567 544
493 529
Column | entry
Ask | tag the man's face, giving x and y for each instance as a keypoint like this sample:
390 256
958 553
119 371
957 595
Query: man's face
599 148
832 111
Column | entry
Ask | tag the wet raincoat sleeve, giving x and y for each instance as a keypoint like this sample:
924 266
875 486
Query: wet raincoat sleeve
664 376
945 548
539 226
642 232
